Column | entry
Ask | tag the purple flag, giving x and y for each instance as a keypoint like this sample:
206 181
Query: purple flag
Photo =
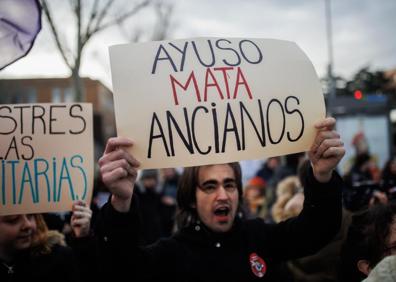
20 22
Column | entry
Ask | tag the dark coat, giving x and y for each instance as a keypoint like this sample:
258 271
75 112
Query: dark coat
59 265
196 254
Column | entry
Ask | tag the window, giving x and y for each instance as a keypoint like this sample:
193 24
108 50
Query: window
56 95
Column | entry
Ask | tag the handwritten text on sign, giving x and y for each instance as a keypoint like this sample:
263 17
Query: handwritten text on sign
46 157
214 100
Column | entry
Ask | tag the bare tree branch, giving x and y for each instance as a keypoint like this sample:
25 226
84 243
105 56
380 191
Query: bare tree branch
88 22
92 16
77 13
123 17
100 17
56 35
164 13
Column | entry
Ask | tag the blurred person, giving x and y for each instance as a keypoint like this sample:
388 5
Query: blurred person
371 237
154 210
249 169
254 198
321 266
285 191
266 172
289 167
150 200
213 243
170 180
362 150
83 242
31 252
388 179
362 188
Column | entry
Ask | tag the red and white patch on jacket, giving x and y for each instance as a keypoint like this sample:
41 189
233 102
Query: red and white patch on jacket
257 264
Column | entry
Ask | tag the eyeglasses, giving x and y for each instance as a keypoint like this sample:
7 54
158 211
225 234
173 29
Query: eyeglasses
210 187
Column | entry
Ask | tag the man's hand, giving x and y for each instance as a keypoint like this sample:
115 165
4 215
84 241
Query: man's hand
326 151
119 171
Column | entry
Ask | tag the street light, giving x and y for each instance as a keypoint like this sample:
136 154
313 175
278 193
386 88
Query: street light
329 33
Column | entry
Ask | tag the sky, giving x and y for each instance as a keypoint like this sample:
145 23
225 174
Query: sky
363 34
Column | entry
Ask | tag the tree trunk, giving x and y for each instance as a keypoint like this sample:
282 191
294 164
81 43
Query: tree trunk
78 87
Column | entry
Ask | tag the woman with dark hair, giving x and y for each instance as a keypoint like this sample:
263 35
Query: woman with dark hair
213 243
31 252
371 237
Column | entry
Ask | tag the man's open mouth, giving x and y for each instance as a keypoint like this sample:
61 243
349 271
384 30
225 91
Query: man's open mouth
222 212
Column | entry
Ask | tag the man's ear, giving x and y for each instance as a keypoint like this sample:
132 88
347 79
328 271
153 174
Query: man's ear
194 205
363 266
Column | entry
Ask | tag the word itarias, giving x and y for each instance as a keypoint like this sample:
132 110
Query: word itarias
42 180
229 127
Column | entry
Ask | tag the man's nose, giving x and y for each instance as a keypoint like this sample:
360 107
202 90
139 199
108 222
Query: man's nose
221 193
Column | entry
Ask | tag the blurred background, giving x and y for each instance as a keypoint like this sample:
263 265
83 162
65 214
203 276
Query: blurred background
352 45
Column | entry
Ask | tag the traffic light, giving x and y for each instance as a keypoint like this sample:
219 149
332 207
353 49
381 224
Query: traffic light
358 95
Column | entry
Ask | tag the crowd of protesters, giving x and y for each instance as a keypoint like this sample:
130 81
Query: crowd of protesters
368 229
70 247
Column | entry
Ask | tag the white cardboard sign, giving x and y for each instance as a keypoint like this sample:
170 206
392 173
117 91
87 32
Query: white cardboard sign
46 157
214 100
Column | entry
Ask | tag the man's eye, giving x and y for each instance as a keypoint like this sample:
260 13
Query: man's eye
209 187
230 186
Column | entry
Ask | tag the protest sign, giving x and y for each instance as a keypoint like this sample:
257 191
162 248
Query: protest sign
46 157
214 100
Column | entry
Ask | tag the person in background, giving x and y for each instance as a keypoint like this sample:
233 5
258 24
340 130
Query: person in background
321 266
213 243
83 242
151 205
362 151
285 191
170 180
254 198
288 168
371 237
388 179
267 171
31 252
362 187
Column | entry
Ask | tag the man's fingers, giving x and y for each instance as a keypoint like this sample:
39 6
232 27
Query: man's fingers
118 155
334 152
114 175
118 169
116 142
323 135
327 123
327 144
122 163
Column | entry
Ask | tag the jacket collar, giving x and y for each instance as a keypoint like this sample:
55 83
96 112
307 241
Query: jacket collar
199 234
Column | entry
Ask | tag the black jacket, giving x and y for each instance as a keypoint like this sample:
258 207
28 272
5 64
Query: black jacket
196 254
59 265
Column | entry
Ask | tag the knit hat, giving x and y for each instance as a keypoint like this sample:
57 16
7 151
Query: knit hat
257 181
